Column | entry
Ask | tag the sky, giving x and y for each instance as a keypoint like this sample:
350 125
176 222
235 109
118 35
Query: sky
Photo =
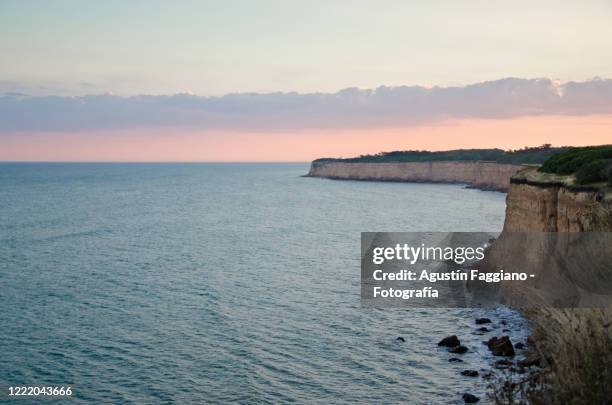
296 80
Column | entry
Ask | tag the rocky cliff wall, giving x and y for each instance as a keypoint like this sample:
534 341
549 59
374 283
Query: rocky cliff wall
563 236
546 207
482 175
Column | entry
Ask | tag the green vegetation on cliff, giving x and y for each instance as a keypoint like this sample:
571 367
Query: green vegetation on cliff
536 155
591 164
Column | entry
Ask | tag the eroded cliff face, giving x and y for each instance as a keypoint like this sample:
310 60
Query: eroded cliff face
560 235
482 175
555 208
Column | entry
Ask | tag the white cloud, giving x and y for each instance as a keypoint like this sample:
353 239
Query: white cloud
350 107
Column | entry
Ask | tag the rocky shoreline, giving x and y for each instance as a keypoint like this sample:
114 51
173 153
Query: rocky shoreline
506 355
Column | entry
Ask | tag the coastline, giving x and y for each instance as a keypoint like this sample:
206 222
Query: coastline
399 180
562 338
536 367
482 175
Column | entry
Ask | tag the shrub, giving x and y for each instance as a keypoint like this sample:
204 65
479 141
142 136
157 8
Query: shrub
526 155
576 345
610 175
592 172
569 162
579 344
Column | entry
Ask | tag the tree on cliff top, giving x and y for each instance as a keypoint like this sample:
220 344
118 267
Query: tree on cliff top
589 164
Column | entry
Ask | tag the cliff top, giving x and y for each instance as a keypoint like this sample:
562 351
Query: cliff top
531 175
591 165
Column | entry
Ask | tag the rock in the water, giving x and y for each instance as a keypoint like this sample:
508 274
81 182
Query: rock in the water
400 339
532 360
501 346
519 345
470 373
450 341
487 376
458 349
483 329
482 321
455 360
503 363
470 399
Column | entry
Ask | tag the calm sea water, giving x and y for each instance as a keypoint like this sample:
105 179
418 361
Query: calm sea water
150 283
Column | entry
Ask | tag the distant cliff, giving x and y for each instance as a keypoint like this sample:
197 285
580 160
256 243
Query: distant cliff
477 174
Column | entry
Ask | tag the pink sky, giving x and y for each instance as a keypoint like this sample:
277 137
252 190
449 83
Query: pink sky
197 145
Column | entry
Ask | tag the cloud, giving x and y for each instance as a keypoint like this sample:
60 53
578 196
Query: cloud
348 108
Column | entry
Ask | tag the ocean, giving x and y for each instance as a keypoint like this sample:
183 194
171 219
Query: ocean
217 283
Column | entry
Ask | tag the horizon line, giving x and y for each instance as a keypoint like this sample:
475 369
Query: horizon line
155 161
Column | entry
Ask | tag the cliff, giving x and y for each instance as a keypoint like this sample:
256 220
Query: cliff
478 174
561 234
538 202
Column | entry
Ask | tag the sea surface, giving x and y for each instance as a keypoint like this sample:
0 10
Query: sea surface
218 283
